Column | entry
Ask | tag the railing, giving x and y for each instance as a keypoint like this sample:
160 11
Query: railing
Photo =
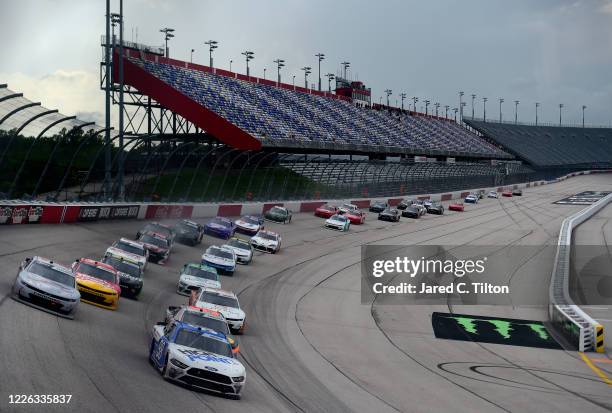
549 124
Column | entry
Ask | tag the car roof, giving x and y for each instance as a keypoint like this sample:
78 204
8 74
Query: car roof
132 242
223 293
201 266
222 219
50 263
243 241
114 253
206 311
265 231
97 264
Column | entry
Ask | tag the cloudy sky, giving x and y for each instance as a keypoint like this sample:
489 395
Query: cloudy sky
548 51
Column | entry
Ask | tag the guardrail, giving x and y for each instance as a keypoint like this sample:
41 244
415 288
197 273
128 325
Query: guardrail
567 318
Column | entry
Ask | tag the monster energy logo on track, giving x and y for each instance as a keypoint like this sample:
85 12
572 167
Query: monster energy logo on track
492 330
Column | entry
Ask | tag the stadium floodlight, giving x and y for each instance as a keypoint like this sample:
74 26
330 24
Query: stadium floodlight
231 61
501 100
403 96
427 102
415 100
293 82
516 103
484 109
437 105
330 77
115 20
461 105
561 105
446 107
307 70
473 98
212 45
264 77
537 105
583 108
321 57
345 66
191 56
388 92
248 56
168 34
455 110
279 63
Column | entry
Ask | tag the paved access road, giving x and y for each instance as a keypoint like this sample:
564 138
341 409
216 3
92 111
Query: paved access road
310 345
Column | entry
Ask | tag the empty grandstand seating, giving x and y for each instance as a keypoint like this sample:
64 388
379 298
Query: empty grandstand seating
278 116
550 145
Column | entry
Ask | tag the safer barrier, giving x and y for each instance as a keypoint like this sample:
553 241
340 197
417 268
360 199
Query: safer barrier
576 326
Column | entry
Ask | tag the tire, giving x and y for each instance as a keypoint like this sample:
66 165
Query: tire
151 353
164 371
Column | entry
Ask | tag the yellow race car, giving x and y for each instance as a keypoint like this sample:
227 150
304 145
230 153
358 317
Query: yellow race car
97 282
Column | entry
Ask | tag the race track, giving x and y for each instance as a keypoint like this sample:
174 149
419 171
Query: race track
310 345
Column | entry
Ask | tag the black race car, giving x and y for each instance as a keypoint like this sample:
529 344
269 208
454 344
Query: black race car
389 214
158 245
517 192
404 204
188 232
158 228
278 214
435 208
411 212
378 206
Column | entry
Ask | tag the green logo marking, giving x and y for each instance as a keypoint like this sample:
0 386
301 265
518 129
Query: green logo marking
540 331
503 327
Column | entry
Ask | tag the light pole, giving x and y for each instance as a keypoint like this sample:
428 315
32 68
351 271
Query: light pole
265 73
330 77
293 82
473 97
501 100
191 56
121 161
461 106
212 45
446 107
167 36
307 70
248 56
560 107
231 61
321 57
583 108
426 107
455 110
403 96
516 103
484 109
345 66
279 63
437 105
415 100
537 105
388 92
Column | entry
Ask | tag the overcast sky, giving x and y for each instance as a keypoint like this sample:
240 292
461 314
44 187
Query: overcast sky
548 51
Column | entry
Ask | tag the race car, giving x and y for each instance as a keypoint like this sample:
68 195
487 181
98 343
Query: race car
250 224
97 282
134 249
242 249
221 258
492 194
194 276
419 205
205 318
278 214
427 203
345 208
338 222
517 192
188 232
220 227
480 193
389 214
46 285
356 216
157 245
404 203
435 208
456 206
222 301
326 211
163 229
471 199
130 273
197 357
411 211
507 194
266 241
378 206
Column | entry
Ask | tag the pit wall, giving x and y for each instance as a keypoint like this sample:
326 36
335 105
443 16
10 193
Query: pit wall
18 212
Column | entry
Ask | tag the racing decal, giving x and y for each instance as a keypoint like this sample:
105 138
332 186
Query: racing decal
21 214
168 211
89 213
492 330
96 213
583 198
194 355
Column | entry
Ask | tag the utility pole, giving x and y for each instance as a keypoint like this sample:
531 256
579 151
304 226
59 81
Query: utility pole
484 109
501 100
537 105
107 86
321 57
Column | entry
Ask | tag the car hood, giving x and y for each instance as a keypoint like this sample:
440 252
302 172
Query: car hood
199 282
334 222
52 287
153 247
206 361
94 282
228 312
216 259
119 252
245 224
217 226
239 251
263 241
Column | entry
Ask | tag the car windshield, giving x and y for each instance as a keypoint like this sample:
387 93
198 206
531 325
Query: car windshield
123 266
149 239
379 204
199 341
222 222
185 227
243 245
212 298
218 252
266 235
48 272
157 228
278 210
388 211
339 218
348 206
200 319
97 272
124 246
200 273
251 220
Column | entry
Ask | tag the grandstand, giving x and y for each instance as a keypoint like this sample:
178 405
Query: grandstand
551 146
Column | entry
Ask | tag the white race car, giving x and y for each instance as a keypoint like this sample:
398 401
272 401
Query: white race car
194 276
197 357
338 222
242 249
344 208
249 224
492 194
266 241
222 301
134 249
221 258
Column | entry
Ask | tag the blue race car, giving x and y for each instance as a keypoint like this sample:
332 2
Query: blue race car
220 227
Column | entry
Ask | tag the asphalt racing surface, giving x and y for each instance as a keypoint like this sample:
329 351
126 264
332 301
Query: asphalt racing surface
310 345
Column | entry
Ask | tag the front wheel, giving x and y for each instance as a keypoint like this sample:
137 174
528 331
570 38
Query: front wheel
164 372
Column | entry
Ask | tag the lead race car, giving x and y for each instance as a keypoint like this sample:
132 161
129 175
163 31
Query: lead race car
48 286
197 357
